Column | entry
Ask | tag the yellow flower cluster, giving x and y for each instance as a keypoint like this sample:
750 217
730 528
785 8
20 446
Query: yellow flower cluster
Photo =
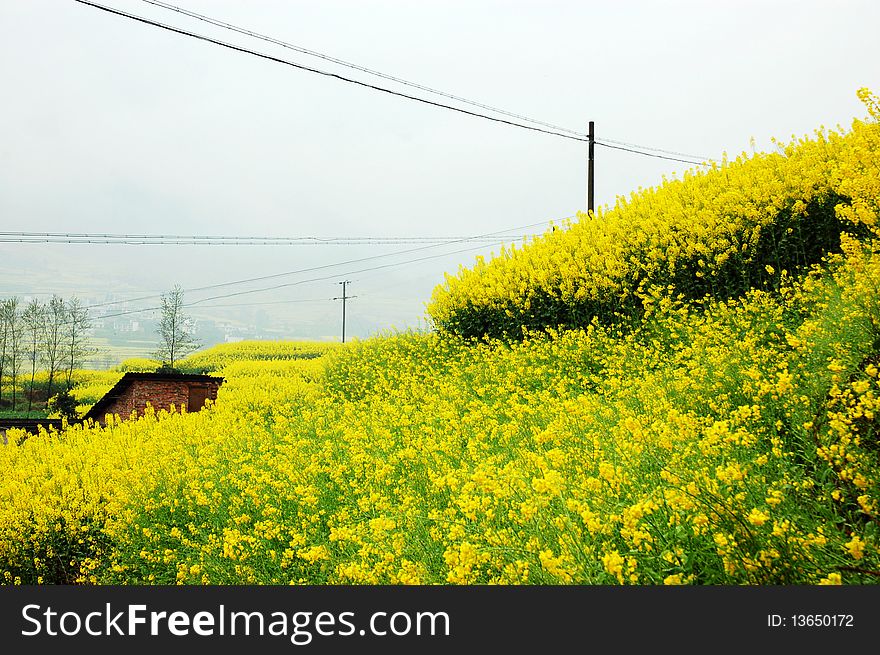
213 359
721 232
730 442
90 386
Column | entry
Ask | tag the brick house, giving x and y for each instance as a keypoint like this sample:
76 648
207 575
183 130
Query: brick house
161 390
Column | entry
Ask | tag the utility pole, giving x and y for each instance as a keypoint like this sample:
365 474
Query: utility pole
344 298
591 136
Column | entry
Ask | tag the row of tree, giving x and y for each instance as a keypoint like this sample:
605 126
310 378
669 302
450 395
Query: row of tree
53 337
50 336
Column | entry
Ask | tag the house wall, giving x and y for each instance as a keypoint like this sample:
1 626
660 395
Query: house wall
160 394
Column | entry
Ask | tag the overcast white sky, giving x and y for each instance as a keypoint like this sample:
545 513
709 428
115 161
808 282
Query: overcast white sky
108 125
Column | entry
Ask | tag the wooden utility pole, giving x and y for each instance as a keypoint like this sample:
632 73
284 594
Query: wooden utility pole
591 136
344 298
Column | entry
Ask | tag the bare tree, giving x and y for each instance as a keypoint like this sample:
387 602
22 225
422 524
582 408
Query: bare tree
12 342
53 334
33 317
4 341
76 347
175 329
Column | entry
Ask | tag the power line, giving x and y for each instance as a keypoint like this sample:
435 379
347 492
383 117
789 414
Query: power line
270 302
126 313
569 134
415 85
648 154
335 275
225 305
172 239
291 284
231 46
326 266
317 239
347 64
668 152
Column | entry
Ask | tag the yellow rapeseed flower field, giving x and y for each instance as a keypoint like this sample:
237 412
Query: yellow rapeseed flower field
736 227
728 439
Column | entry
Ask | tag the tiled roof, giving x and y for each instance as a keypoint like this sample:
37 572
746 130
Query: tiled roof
119 388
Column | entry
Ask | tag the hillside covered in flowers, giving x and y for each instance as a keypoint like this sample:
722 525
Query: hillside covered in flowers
716 234
680 390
